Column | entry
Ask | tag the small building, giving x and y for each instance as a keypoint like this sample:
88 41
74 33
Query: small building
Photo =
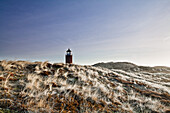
68 57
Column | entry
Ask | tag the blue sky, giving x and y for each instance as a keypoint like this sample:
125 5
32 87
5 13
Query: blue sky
95 30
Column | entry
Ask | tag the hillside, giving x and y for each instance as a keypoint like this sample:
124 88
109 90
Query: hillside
44 87
130 67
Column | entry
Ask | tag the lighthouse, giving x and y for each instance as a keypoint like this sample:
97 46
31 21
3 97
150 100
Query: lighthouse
68 56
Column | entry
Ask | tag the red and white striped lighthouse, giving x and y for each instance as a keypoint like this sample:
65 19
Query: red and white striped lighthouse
68 56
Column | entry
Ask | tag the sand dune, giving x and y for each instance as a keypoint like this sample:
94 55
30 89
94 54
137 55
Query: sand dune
44 87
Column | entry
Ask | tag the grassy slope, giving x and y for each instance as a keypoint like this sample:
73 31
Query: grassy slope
44 87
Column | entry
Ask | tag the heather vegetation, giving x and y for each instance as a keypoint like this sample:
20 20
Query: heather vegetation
45 87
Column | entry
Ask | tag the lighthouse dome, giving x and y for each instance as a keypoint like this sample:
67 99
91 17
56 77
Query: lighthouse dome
68 50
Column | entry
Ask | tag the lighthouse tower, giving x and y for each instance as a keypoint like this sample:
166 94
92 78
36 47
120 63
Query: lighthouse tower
68 56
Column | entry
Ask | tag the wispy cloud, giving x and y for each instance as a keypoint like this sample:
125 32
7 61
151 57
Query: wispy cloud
166 38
